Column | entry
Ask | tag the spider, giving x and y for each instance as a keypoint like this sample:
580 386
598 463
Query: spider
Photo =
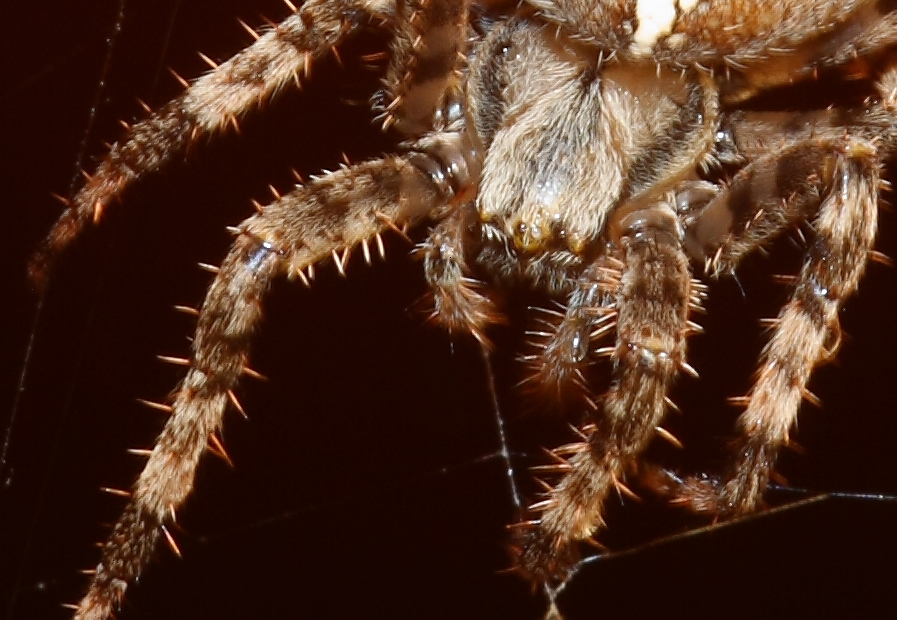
600 153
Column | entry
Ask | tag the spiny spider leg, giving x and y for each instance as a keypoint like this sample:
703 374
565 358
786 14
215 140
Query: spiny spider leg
459 303
331 214
213 101
328 216
855 34
425 78
839 180
653 301
770 194
798 37
606 25
607 148
557 367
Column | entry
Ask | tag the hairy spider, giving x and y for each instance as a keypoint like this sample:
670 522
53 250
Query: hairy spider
596 159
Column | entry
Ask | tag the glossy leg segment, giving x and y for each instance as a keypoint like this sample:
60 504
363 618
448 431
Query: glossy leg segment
279 56
652 302
328 216
841 183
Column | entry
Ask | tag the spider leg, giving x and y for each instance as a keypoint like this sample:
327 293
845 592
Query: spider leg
652 303
767 196
607 25
459 302
425 80
209 104
852 35
330 214
557 367
836 183
798 36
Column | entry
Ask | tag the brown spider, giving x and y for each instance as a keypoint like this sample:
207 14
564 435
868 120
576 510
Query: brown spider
594 159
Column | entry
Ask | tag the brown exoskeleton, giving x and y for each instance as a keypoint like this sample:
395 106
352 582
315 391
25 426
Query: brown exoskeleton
593 150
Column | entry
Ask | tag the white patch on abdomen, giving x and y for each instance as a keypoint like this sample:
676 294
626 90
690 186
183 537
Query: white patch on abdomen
656 19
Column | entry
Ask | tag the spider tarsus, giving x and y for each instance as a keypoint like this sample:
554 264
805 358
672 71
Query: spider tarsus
556 369
535 560
118 492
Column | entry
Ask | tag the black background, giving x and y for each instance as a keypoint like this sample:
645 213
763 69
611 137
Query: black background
366 482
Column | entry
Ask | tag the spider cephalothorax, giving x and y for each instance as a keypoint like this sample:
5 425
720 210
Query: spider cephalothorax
595 151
